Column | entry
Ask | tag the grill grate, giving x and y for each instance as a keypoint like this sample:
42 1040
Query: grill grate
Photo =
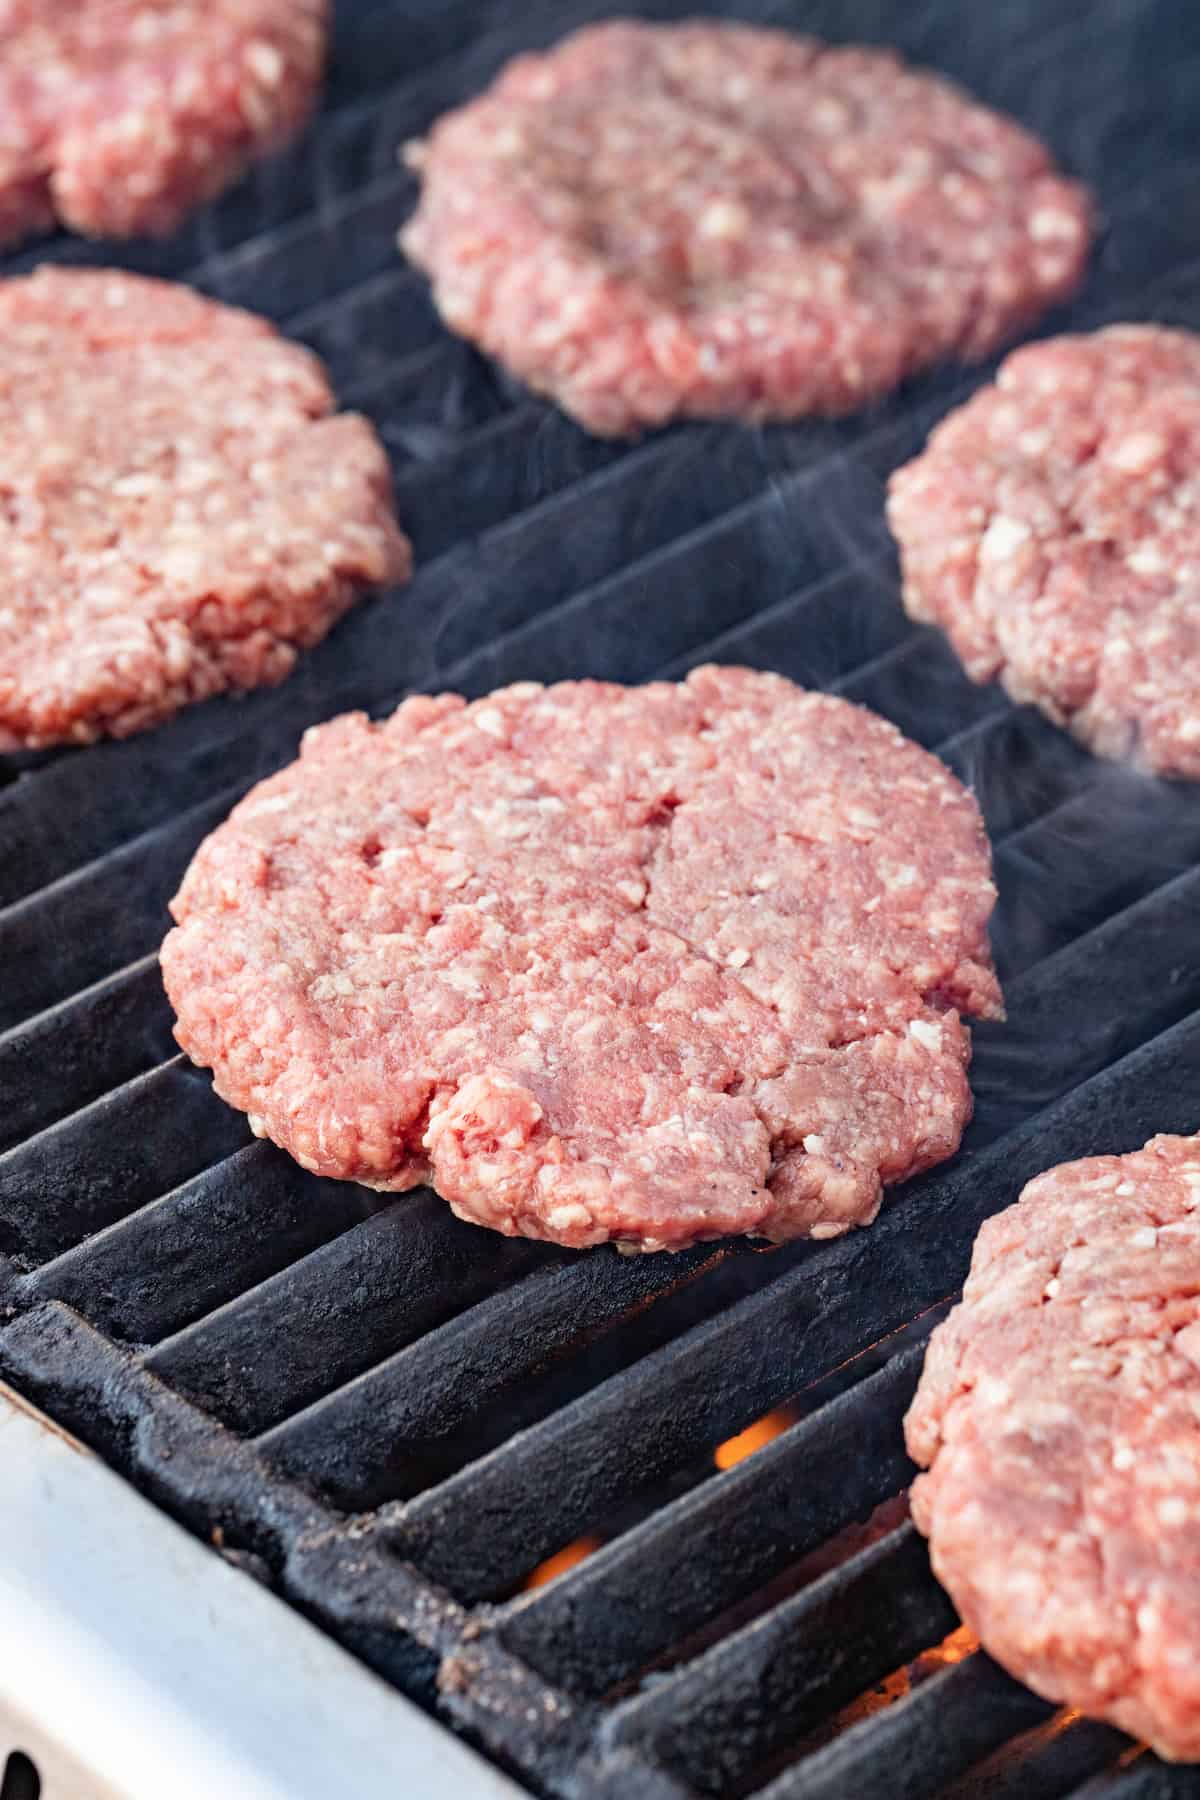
391 1416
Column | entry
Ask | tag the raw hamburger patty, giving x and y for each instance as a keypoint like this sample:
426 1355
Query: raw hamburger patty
1059 1418
118 116
706 219
646 964
1052 528
179 511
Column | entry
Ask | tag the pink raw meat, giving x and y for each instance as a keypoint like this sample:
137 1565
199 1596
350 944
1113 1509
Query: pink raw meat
119 116
1058 1416
644 964
657 220
181 511
1051 527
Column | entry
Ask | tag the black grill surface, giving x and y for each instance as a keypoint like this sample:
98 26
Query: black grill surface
392 1417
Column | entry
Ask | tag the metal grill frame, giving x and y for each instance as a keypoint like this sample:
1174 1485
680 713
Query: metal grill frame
388 1417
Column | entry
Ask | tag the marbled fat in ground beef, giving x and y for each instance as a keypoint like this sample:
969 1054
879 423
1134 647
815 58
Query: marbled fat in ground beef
1052 529
119 116
181 511
708 219
647 964
1058 1417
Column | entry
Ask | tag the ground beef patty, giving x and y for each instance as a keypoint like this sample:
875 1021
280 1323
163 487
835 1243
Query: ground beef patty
1059 1418
118 116
1052 528
712 219
646 964
179 511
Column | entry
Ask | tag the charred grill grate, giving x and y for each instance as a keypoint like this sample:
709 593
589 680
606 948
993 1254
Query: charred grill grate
391 1416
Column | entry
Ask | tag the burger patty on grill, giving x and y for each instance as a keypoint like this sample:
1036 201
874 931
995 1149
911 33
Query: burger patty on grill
180 511
650 221
648 964
1052 529
1058 1416
118 116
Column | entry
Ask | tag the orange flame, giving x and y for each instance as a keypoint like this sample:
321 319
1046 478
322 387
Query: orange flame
733 1450
736 1449
561 1561
953 1649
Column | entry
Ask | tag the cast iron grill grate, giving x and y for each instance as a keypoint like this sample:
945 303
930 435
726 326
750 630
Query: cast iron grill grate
393 1417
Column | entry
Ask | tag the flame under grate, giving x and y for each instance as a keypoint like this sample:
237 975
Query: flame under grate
397 1419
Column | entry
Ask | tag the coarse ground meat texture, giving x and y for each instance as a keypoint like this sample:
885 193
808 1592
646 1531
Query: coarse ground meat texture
709 219
180 511
117 117
649 965
1052 529
1059 1419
